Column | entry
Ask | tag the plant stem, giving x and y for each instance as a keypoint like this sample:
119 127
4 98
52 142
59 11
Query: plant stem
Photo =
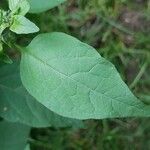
139 75
18 48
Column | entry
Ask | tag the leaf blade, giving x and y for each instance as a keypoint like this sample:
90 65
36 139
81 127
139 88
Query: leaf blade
75 77
9 132
22 25
21 7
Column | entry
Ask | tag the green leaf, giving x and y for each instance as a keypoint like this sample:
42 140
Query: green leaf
9 76
13 4
13 136
36 6
19 7
3 23
16 105
22 25
70 78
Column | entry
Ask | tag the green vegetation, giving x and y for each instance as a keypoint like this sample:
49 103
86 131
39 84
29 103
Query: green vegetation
119 30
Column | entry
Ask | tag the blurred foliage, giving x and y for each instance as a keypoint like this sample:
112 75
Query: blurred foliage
120 31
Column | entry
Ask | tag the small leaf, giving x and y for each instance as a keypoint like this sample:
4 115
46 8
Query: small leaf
13 4
70 78
36 6
22 25
13 136
19 7
9 76
16 105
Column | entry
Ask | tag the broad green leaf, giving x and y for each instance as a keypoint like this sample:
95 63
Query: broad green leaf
22 25
70 78
13 136
9 76
19 7
37 6
16 105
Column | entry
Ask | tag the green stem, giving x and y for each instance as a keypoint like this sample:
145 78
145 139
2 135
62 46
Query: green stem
15 46
40 144
139 75
18 48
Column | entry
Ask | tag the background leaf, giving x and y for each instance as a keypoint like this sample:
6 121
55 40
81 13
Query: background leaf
70 78
36 6
13 136
16 105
